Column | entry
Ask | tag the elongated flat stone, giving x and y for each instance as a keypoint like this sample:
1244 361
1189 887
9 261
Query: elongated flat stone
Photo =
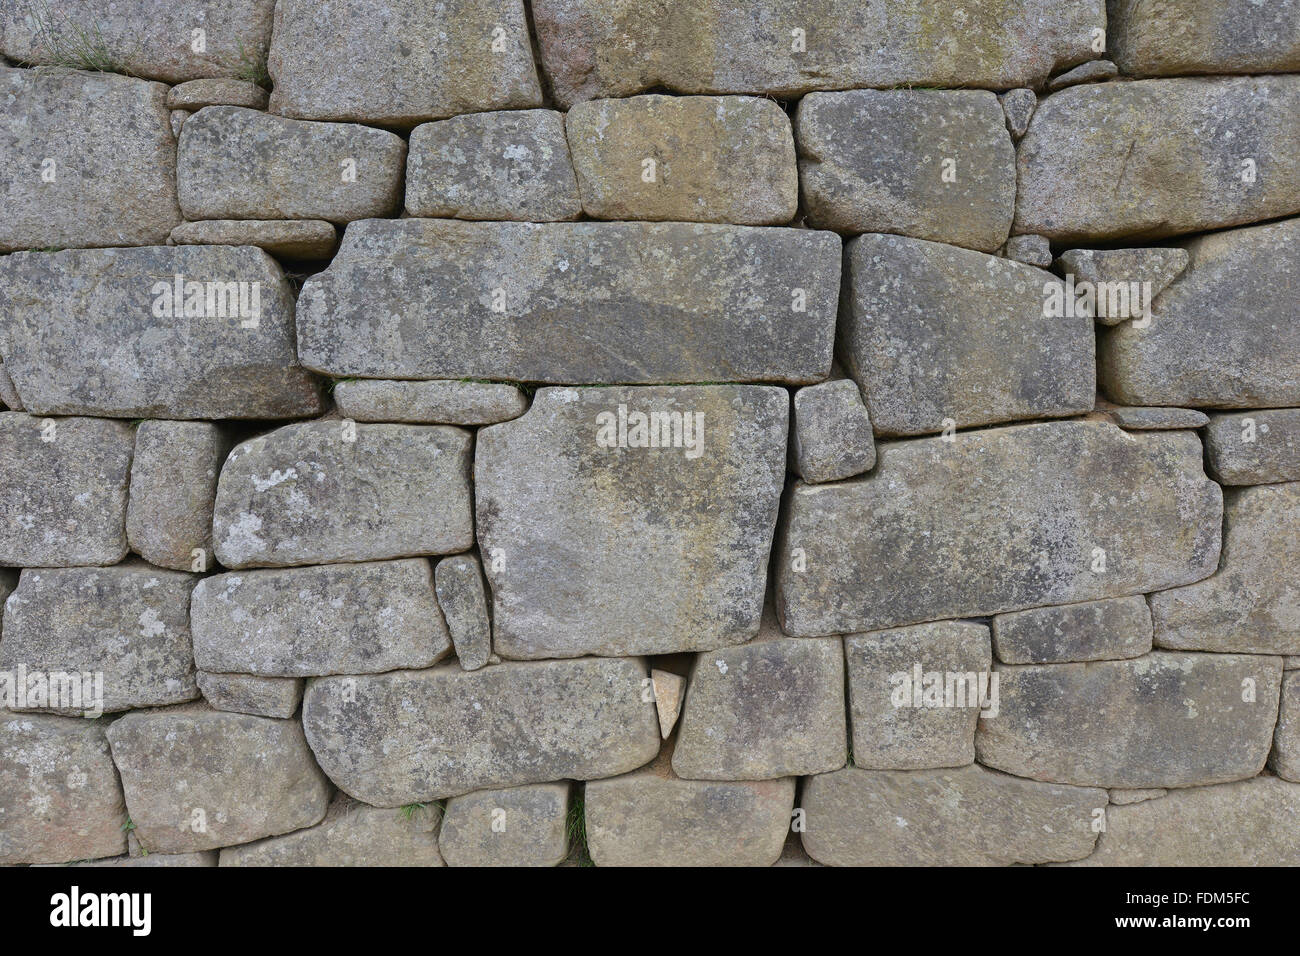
1081 180
995 521
335 619
415 736
968 816
246 694
1204 36
1285 758
509 301
1251 605
462 597
1090 631
127 346
173 488
593 48
300 494
922 364
519 826
449 402
290 238
592 548
1254 448
1161 720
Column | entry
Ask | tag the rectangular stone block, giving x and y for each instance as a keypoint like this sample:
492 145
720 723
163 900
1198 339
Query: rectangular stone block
520 826
246 694
997 520
1254 448
574 303
1204 36
173 488
435 402
1089 631
1285 758
830 432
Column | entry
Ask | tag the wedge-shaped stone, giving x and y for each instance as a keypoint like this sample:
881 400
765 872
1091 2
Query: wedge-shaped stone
1090 631
162 332
141 37
289 238
593 48
771 708
967 816
127 625
422 298
59 795
682 157
1252 603
1080 179
1285 758
593 548
830 432
400 62
1221 336
173 488
1254 448
246 694
1141 418
237 163
89 157
352 834
915 694
198 779
319 492
1161 720
521 826
1204 36
416 736
447 402
1120 269
923 364
652 817
334 619
63 490
462 597
998 520
1250 823
934 164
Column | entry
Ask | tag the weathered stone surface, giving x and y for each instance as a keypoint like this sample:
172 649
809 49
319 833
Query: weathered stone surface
360 618
305 494
1285 759
1123 267
630 550
8 394
669 689
1252 603
1161 720
446 402
772 708
140 37
107 142
1031 250
352 834
414 736
1080 179
177 120
967 816
715 159
933 164
705 303
1204 36
1254 448
1123 798
830 432
1019 106
462 596
128 623
1094 71
59 795
173 488
998 520
288 238
224 91
521 826
198 779
897 725
1091 631
1250 823
8 581
236 163
651 817
1147 418
593 48
507 165
63 490
1291 662
400 62
793 853
246 694
205 858
124 346
920 361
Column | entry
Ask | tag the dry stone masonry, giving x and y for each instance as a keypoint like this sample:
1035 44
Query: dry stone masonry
569 432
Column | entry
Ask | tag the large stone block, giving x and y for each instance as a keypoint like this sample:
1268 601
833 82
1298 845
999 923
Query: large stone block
415 736
1153 168
1204 36
161 332
319 492
557 302
89 159
1254 448
1161 720
593 548
520 826
997 520
173 488
933 164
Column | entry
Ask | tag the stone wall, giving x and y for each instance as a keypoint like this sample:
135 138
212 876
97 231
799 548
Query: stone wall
574 431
